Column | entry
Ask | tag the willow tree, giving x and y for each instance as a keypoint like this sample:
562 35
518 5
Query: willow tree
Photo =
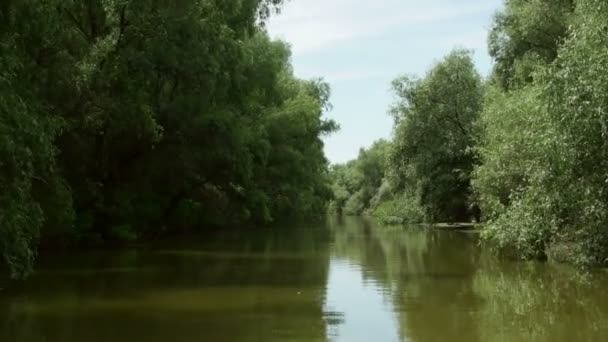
30 181
543 179
526 35
432 149
146 117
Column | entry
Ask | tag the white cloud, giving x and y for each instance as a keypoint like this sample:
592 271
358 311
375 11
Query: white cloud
311 25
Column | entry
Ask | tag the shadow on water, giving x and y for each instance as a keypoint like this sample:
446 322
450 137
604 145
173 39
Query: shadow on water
251 285
347 280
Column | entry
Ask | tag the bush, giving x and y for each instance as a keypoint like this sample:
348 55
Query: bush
403 208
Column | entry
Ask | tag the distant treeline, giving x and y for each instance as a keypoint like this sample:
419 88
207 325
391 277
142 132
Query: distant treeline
121 119
527 147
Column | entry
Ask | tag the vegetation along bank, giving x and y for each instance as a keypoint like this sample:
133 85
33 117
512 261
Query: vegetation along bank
525 149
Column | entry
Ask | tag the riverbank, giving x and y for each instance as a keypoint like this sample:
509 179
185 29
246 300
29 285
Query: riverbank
459 226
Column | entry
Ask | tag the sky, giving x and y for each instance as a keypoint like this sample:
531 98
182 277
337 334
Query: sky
360 46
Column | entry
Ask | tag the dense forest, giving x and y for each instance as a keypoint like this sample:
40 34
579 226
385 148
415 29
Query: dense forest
525 148
121 120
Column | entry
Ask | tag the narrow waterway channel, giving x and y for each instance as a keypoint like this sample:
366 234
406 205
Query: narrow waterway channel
348 280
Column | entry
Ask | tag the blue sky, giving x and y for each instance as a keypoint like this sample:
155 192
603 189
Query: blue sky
359 46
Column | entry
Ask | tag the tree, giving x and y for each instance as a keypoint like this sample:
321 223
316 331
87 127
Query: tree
126 119
357 185
30 183
526 35
432 149
543 177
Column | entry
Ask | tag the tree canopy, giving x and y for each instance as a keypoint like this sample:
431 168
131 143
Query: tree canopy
124 119
525 148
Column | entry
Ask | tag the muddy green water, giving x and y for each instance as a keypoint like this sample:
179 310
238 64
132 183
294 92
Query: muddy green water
348 280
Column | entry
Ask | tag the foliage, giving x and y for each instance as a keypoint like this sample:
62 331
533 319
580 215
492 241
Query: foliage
401 208
424 173
515 142
577 99
121 120
125 119
514 132
529 148
525 36
543 178
431 155
29 180
358 185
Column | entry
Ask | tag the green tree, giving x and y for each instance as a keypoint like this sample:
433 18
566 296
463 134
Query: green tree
432 154
358 185
526 35
30 182
543 176
123 119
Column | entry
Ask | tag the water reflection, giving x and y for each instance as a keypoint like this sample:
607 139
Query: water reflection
366 312
348 281
534 302
264 285
444 287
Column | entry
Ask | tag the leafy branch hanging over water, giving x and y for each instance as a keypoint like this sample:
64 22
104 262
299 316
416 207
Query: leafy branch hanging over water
123 119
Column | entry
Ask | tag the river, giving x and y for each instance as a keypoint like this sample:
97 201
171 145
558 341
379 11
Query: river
347 280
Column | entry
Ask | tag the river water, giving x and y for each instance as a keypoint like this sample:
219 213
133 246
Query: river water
346 280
